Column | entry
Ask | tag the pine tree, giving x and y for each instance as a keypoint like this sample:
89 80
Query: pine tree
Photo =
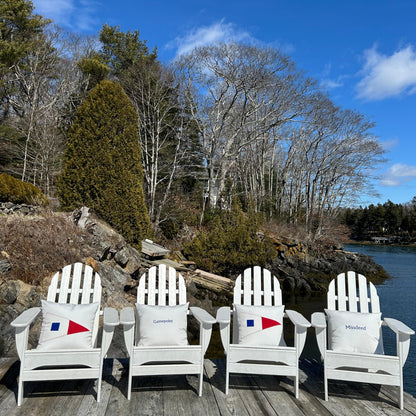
102 163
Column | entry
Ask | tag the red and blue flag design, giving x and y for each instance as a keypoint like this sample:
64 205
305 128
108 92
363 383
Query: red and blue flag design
256 324
61 326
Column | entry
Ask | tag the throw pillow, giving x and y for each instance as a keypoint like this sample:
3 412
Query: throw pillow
354 332
260 325
162 325
66 326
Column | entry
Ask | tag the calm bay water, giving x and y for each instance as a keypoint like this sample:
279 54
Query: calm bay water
397 300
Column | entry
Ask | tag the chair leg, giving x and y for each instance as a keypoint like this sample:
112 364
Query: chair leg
129 384
325 385
401 401
296 385
20 392
99 381
201 380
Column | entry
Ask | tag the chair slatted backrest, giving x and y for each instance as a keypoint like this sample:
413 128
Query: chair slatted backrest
350 292
257 286
161 285
77 284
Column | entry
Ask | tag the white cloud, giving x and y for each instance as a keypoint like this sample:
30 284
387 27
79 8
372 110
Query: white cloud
219 32
389 144
388 76
398 174
331 84
71 14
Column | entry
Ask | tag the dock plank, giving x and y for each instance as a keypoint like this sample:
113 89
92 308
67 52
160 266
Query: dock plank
178 395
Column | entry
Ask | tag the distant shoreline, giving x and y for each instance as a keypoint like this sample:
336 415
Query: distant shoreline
370 243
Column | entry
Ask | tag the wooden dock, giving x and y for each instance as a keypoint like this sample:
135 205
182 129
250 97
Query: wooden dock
177 395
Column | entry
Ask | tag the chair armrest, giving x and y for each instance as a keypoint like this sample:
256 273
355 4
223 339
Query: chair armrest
224 315
110 321
127 319
398 326
127 316
26 318
205 326
202 315
111 317
298 319
318 320
301 325
403 333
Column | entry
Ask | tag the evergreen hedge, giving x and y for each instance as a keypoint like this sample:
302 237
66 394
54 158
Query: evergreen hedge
231 243
102 163
19 192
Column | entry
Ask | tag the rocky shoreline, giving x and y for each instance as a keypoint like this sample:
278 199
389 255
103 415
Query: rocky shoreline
300 272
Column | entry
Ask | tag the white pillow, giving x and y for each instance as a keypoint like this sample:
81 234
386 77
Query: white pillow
354 332
162 325
260 325
66 326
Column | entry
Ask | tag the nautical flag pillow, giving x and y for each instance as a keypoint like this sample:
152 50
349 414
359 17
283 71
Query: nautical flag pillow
66 326
260 325
162 325
354 332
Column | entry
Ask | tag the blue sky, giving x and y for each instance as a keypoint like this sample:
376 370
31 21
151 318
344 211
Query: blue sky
363 52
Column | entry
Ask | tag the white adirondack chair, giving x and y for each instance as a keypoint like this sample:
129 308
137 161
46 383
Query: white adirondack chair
75 284
164 287
350 292
257 286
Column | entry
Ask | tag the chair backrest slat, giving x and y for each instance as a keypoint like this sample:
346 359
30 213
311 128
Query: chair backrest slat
358 299
267 291
363 293
87 284
64 285
352 292
374 299
247 286
342 298
162 287
76 284
151 286
331 296
257 292
172 287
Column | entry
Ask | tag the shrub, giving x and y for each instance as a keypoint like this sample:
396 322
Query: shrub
102 166
231 243
19 192
40 245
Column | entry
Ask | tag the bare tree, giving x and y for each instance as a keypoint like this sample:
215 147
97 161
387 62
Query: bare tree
44 82
238 94
163 127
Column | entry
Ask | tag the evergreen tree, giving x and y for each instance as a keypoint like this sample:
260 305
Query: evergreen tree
102 164
18 30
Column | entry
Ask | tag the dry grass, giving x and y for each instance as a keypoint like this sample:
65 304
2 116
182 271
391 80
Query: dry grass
38 246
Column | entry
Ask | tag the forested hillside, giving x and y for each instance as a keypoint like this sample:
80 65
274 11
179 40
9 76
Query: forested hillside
221 122
396 222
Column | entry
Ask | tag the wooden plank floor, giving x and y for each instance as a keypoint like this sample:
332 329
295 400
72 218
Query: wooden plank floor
177 395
